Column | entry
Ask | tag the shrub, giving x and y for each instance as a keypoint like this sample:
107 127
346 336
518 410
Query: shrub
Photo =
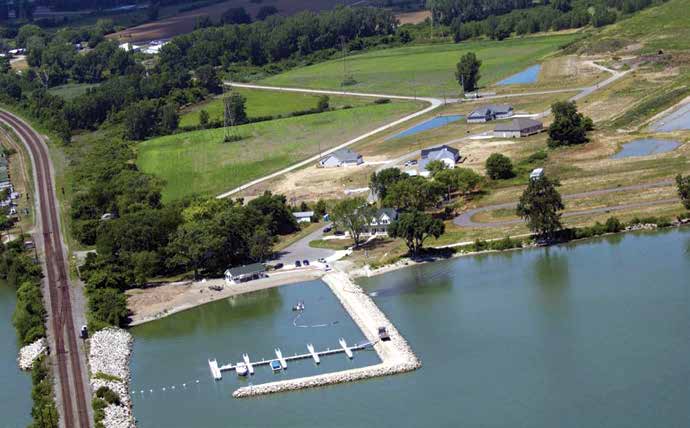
108 395
499 167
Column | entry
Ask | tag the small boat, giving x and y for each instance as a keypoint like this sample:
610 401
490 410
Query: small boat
241 369
275 365
299 306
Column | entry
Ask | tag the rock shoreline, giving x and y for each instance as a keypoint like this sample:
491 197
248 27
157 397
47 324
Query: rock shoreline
109 353
30 353
396 355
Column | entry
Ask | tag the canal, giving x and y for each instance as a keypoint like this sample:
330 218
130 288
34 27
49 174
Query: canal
15 386
588 334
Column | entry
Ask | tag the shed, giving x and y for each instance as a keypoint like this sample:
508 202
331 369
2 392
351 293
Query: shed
303 216
536 174
342 157
519 127
245 273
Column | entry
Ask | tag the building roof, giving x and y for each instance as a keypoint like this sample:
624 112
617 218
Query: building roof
303 214
438 152
344 155
246 270
517 124
491 109
390 212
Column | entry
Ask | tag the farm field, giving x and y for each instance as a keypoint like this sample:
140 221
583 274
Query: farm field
424 69
199 163
266 103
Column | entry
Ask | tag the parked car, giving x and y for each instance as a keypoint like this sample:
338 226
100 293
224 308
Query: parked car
321 260
305 262
383 334
278 266
298 263
84 332
411 163
339 233
327 268
327 229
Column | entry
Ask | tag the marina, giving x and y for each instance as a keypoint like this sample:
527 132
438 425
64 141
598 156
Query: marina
280 362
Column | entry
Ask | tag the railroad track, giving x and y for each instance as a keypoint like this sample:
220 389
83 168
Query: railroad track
73 388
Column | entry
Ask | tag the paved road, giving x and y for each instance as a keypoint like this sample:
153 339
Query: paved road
73 390
301 250
465 219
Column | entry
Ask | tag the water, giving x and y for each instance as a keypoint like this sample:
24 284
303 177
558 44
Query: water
15 386
645 147
174 350
592 334
434 123
528 75
676 121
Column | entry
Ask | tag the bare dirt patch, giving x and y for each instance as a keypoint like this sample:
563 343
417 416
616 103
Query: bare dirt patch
413 17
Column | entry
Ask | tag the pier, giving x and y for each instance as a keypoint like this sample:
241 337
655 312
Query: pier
216 370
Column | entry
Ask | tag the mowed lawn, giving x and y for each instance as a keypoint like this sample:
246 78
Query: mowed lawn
261 103
424 69
200 163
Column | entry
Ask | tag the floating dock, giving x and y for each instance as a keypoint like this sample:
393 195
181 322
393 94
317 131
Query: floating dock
216 370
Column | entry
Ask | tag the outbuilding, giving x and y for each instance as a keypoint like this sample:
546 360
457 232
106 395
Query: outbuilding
490 112
519 127
342 157
245 273
536 174
303 216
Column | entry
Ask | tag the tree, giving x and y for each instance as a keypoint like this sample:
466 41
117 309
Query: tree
467 72
168 119
499 167
683 184
109 306
235 112
207 78
323 103
190 246
261 244
236 15
463 180
568 127
279 218
203 119
382 180
436 166
415 227
352 215
539 205
414 193
139 120
265 12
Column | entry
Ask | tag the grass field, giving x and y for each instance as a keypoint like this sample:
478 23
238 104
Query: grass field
424 69
200 163
71 90
265 103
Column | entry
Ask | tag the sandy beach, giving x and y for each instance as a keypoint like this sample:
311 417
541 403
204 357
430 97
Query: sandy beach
152 303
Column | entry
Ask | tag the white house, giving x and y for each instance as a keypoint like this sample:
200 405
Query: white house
245 273
381 220
342 157
445 154
303 216
536 174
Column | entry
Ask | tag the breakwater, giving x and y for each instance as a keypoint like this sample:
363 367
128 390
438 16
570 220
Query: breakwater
396 355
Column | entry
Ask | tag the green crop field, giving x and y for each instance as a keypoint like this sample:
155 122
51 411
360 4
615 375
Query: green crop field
424 69
200 163
266 103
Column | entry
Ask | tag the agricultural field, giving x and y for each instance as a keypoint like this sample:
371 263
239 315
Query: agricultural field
200 163
424 69
262 103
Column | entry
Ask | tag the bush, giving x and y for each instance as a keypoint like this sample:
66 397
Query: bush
499 167
382 101
107 394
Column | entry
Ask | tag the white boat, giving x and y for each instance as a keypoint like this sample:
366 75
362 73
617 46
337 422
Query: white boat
241 369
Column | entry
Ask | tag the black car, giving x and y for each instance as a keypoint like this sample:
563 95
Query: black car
327 229
278 266
305 262
298 263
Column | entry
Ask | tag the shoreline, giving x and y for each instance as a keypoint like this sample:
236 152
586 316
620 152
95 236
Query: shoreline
188 295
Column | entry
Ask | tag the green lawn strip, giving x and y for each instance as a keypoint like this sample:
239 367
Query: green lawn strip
332 244
424 69
261 103
199 163
71 90
285 241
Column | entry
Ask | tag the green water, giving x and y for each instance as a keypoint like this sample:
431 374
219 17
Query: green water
594 334
15 386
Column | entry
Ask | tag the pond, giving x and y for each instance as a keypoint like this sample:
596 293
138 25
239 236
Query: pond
436 122
592 334
15 393
528 75
645 147
675 121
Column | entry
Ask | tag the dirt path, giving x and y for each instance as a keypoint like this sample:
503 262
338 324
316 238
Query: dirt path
465 219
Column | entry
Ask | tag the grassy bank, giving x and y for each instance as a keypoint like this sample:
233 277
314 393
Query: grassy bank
199 163
423 69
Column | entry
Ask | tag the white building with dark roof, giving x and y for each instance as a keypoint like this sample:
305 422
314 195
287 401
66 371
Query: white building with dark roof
490 112
446 154
518 127
342 157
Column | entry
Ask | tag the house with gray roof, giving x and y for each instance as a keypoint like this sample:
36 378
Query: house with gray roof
490 112
446 154
519 127
381 220
342 157
246 273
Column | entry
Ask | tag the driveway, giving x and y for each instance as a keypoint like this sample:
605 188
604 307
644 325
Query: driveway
301 250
